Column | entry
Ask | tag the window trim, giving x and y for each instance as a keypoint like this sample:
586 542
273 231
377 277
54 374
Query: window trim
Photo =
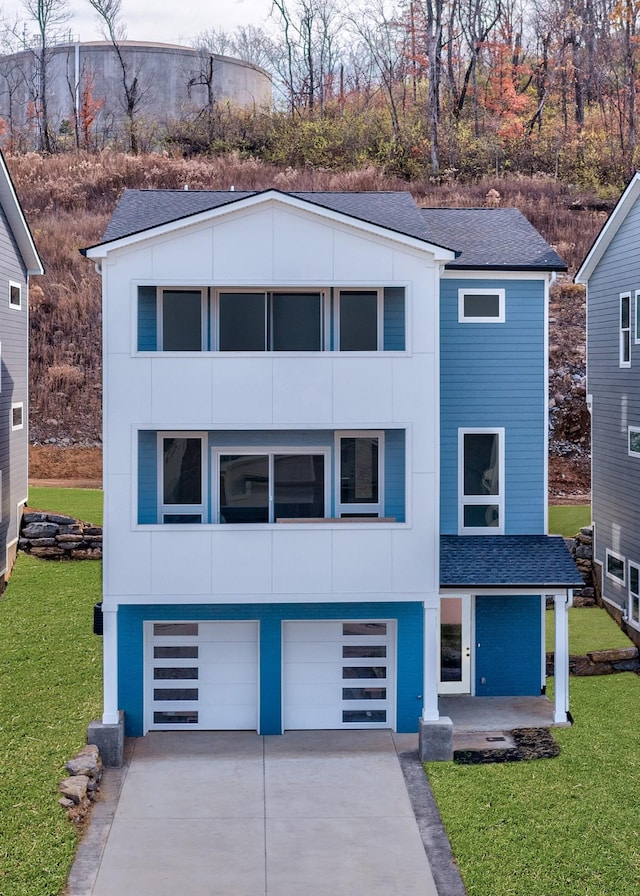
218 451
637 317
345 511
475 291
13 284
612 554
182 509
160 291
632 430
14 407
633 598
471 500
379 317
625 332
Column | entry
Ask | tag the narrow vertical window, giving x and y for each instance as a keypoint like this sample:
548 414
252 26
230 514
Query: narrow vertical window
359 320
17 415
15 295
182 479
181 320
634 594
481 483
637 317
625 329
360 475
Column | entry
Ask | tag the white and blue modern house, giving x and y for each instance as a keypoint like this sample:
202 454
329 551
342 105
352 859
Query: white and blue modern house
19 259
325 442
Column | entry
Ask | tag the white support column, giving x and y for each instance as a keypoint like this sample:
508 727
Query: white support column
561 604
110 667
430 712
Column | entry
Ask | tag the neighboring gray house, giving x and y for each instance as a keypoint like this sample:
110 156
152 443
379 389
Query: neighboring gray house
18 259
611 273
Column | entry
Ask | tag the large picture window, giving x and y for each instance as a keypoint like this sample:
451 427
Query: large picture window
481 486
271 321
264 487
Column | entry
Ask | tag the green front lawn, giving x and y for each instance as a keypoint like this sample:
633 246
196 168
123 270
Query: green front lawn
590 628
50 687
81 503
554 827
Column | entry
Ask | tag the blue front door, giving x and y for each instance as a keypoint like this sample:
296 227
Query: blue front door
508 646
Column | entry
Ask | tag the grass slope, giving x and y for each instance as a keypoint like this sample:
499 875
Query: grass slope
567 520
557 827
81 503
50 674
590 628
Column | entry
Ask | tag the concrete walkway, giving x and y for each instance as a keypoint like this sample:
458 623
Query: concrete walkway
235 814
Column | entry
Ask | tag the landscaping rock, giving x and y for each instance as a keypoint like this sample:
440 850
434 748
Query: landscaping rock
75 788
54 536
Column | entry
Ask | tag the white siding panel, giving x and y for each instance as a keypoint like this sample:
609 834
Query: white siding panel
415 551
181 562
362 561
190 406
242 391
362 390
184 255
302 391
128 388
301 561
362 261
241 562
127 558
243 249
302 248
415 385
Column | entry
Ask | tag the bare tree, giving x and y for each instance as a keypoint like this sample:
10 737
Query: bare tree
114 30
49 16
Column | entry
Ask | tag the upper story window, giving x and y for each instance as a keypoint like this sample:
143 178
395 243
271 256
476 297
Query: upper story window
198 477
360 474
15 295
17 415
481 481
481 306
625 329
286 320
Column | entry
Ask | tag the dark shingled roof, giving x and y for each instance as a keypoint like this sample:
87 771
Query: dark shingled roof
506 561
492 238
140 210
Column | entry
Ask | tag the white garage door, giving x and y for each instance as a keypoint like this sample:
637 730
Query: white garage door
201 675
339 674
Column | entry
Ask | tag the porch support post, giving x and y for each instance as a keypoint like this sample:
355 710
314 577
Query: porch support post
435 732
110 667
430 712
561 604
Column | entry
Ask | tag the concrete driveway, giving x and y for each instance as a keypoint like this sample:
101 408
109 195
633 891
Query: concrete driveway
234 814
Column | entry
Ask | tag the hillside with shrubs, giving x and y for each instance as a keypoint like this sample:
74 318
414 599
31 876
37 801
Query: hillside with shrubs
68 199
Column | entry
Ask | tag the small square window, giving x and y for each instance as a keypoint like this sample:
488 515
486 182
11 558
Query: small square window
615 567
481 306
634 441
15 295
17 416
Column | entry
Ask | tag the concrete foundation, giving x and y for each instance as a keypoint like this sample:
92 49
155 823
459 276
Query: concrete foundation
435 740
109 739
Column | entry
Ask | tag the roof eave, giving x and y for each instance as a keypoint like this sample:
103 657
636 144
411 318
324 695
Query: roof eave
17 222
504 268
609 230
509 586
441 254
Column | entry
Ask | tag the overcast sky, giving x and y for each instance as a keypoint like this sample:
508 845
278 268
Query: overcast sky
168 21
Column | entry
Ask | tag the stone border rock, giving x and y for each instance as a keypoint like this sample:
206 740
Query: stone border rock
601 662
53 536
80 789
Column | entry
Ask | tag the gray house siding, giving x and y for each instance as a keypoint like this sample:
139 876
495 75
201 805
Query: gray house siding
14 446
615 392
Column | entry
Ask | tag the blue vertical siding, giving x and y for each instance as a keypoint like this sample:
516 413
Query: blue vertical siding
508 646
494 375
409 617
147 477
394 319
394 474
147 319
